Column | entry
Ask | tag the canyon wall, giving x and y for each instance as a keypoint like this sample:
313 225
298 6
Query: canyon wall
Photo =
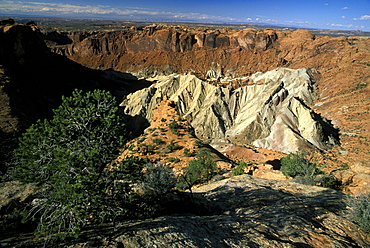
160 49
342 63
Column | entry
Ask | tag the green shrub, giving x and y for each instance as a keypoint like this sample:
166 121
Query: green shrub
174 160
173 147
158 141
299 166
199 171
67 157
239 169
199 143
187 153
174 126
158 180
360 211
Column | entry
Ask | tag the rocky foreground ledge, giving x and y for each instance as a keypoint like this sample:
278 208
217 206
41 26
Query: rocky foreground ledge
249 212
244 211
252 212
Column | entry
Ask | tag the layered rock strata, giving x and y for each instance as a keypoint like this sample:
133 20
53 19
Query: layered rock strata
272 112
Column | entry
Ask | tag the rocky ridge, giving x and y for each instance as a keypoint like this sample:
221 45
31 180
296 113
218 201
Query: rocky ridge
273 112
154 143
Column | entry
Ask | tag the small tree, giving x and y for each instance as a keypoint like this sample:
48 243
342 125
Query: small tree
299 166
67 157
199 171
239 169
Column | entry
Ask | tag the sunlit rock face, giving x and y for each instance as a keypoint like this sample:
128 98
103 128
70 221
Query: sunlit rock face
272 111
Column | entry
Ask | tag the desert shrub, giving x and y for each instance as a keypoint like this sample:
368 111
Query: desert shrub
67 157
190 130
174 160
187 153
131 147
8 142
174 126
199 171
161 129
297 164
344 166
239 169
360 211
146 148
173 147
158 181
199 143
303 170
158 141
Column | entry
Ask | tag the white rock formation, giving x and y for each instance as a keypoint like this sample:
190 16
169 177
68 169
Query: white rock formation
273 113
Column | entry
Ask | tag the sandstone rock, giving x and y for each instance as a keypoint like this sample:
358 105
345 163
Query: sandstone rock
246 212
360 183
272 113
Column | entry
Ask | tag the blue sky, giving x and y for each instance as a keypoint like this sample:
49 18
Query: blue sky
328 14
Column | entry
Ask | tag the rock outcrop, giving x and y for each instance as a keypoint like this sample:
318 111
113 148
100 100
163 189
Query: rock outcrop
167 127
243 211
273 112
252 212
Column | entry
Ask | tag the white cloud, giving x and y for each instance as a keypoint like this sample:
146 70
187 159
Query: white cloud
341 25
364 17
62 9
345 8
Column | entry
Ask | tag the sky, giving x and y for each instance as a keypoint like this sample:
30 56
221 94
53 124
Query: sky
323 14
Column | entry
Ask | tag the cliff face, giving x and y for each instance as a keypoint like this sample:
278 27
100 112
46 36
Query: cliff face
270 113
33 79
133 50
22 50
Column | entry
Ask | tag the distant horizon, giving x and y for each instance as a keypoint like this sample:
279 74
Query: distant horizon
349 15
263 25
